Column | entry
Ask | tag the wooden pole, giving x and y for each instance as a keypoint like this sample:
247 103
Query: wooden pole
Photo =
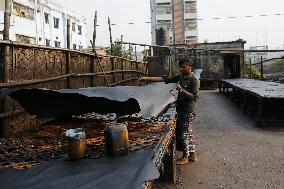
5 129
136 64
110 36
250 71
121 46
95 33
6 35
122 73
130 51
122 61
111 49
68 33
173 22
7 15
94 49
136 58
261 67
68 55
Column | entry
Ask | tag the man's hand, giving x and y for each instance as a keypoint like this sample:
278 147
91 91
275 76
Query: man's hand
154 79
179 88
140 80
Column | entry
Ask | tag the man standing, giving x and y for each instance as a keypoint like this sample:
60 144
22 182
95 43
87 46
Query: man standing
188 87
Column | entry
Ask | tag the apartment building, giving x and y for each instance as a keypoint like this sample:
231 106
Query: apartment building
174 22
44 23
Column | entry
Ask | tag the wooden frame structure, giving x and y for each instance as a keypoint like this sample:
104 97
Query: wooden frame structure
263 101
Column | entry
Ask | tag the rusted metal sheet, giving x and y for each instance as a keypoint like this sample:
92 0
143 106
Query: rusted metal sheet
121 100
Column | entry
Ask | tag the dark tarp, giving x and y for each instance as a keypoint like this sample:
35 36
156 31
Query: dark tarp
119 173
122 100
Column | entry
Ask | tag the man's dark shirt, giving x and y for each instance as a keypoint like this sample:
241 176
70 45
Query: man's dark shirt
189 83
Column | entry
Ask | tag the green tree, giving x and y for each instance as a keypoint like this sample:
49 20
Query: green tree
254 72
120 50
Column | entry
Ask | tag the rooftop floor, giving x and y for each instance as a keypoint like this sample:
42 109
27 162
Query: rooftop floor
232 151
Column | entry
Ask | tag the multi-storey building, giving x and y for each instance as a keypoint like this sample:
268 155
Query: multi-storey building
44 23
175 20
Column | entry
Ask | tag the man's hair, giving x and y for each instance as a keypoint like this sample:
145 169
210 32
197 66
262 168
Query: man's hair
186 61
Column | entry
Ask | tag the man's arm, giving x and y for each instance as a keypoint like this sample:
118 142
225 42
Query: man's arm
173 79
157 79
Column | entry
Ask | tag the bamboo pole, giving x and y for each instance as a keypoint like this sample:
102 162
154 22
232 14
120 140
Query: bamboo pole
6 36
68 33
111 49
95 33
5 130
68 54
110 36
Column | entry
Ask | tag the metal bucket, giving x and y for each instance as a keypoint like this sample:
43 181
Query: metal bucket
76 139
116 138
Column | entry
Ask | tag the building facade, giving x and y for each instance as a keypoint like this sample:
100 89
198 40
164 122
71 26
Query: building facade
44 23
174 22
256 57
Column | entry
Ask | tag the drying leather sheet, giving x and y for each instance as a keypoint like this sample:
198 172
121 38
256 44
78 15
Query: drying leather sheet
148 100
129 171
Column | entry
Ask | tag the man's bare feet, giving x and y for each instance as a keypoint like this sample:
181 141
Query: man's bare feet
192 157
182 161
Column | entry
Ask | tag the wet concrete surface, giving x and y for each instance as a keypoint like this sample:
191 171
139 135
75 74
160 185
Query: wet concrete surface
232 151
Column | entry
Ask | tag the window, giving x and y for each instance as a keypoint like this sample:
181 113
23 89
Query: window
190 7
47 42
56 22
167 4
190 24
74 46
191 40
166 24
56 43
46 18
23 11
25 39
73 26
79 30
164 10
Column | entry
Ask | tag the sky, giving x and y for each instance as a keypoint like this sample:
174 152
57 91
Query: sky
257 30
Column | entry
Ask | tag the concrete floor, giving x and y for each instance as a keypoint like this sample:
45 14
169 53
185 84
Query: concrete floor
232 151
